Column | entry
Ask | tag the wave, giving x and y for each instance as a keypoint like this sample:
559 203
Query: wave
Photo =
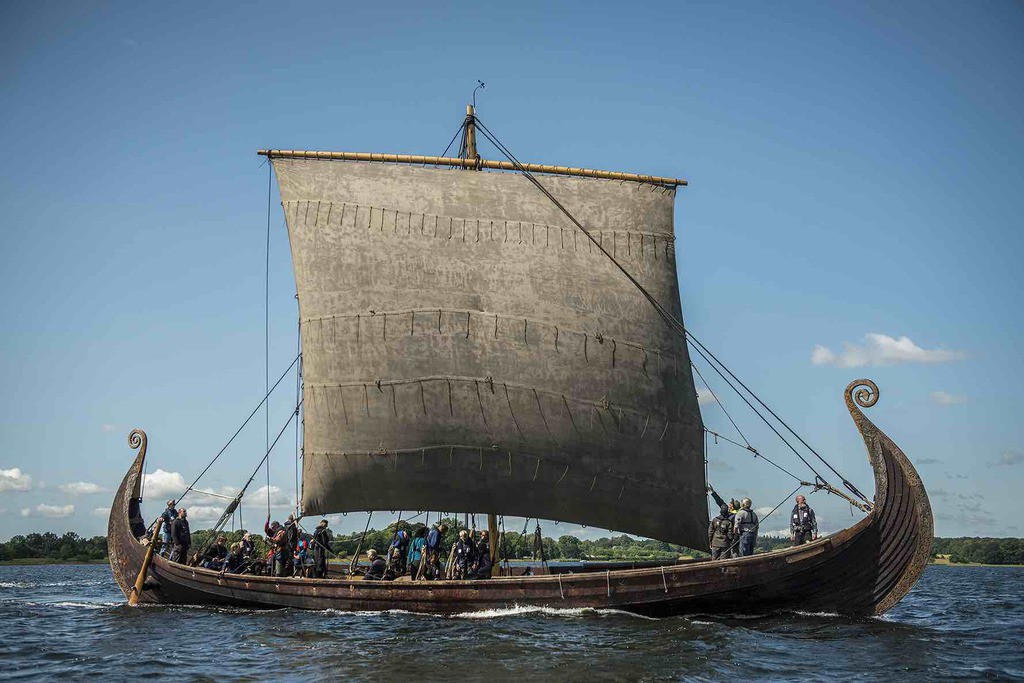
48 584
571 612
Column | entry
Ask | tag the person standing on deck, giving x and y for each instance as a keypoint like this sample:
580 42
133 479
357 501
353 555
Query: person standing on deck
278 538
465 555
168 515
291 529
484 564
181 536
720 534
803 527
321 546
434 540
401 545
416 549
746 528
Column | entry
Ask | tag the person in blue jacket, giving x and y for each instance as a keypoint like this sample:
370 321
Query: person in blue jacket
416 547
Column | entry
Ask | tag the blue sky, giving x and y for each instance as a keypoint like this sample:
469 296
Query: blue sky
855 179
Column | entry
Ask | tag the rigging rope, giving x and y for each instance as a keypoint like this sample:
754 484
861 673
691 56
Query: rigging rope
720 404
298 397
757 453
237 500
461 127
666 315
238 431
266 325
359 546
847 484
714 367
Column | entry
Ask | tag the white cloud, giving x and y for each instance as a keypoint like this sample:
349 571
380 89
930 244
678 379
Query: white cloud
14 480
763 512
80 487
205 513
705 397
881 349
109 429
101 512
278 498
161 483
944 399
1010 458
52 511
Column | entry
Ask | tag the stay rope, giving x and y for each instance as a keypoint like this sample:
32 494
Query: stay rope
266 325
239 430
229 511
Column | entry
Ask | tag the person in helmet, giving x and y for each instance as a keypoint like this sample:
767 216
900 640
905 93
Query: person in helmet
745 527
720 534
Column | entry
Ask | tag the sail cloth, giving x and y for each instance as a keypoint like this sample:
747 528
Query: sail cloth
465 348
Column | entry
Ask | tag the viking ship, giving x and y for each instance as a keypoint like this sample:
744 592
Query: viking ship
507 338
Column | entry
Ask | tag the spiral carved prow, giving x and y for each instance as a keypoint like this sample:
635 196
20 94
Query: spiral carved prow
862 391
137 440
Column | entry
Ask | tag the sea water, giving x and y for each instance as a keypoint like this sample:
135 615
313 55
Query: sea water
71 622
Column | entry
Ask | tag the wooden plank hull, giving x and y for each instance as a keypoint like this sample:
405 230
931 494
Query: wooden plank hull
863 570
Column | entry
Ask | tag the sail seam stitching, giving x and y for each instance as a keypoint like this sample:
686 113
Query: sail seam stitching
603 404
474 450
558 331
404 227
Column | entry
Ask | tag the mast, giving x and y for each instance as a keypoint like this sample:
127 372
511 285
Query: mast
471 153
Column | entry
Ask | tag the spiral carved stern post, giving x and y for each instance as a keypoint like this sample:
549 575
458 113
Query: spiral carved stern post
125 526
902 514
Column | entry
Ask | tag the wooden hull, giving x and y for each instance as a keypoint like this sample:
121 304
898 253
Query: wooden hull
863 570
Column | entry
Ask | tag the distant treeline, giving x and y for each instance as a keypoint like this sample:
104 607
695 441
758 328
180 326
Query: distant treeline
70 547
49 546
981 550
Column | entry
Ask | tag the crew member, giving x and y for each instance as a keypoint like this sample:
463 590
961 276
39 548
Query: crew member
215 555
247 545
321 546
377 567
484 564
401 544
720 534
292 531
234 561
803 527
181 536
416 552
434 540
465 555
168 515
278 537
745 527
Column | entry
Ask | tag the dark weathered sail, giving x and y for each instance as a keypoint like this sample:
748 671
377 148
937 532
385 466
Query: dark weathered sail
466 349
